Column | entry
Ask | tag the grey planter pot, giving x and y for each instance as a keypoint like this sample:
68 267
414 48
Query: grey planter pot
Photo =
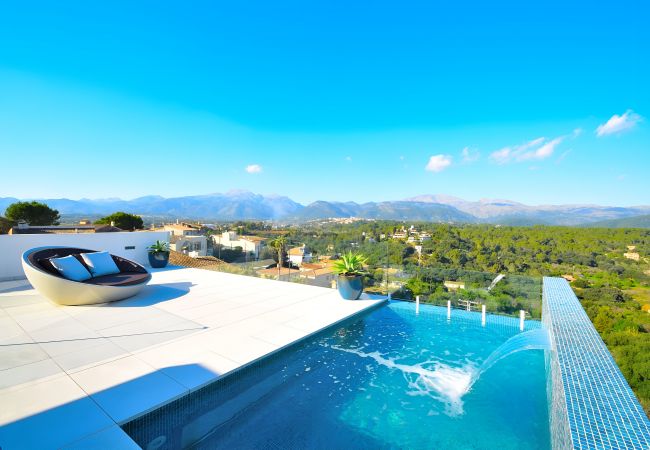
350 287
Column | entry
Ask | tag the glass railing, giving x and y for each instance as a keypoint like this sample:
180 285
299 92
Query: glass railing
503 293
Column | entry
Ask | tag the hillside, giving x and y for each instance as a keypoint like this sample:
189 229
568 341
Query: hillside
627 222
400 210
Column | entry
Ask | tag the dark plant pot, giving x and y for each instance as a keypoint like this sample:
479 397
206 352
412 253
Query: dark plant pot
350 287
158 259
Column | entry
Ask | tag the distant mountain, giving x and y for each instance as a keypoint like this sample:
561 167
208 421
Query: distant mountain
323 210
628 222
482 209
241 205
400 210
507 212
233 205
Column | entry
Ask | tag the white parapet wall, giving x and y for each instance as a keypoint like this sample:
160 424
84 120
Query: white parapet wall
130 245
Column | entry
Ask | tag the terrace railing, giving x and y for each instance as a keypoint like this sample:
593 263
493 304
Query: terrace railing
501 293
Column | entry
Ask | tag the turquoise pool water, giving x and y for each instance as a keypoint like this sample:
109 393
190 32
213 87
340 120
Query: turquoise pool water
391 379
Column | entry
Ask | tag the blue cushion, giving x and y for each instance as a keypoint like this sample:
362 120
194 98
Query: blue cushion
100 263
69 267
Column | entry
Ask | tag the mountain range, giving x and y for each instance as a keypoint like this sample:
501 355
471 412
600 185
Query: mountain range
241 205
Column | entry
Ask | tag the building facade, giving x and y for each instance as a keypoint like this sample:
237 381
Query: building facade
252 245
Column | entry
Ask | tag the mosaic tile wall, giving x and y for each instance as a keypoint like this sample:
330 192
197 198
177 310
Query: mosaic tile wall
599 408
558 415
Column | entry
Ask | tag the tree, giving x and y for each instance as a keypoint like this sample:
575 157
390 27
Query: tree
231 254
34 213
279 243
604 294
123 220
5 225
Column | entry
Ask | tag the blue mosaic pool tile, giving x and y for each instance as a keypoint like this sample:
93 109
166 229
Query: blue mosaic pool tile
593 407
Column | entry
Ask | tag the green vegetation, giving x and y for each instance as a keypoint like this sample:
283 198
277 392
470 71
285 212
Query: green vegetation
34 213
230 255
122 220
5 225
280 244
350 264
624 325
627 222
159 247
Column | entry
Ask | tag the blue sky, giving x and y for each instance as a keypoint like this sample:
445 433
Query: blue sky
543 103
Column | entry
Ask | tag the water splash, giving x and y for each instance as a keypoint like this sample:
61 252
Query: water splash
431 378
449 384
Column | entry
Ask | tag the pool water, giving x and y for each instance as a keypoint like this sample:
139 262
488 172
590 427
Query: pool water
391 379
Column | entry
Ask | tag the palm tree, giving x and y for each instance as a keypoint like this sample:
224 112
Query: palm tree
279 243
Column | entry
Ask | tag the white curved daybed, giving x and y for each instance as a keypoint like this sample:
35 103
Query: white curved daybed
48 282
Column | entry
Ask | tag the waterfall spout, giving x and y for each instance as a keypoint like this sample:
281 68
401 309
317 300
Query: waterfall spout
495 281
530 340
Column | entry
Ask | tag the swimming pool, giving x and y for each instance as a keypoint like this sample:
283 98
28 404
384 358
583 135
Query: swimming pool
389 379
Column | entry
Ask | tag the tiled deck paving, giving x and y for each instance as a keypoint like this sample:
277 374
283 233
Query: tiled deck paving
69 375
601 409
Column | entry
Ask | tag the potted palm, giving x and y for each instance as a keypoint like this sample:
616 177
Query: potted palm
350 271
158 254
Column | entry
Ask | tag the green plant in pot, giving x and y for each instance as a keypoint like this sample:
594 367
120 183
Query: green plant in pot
158 254
350 269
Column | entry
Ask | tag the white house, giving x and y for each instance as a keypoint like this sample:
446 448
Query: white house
182 229
454 285
249 244
190 245
299 255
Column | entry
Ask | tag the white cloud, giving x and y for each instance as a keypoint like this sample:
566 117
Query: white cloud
618 124
438 163
253 168
470 155
537 149
545 150
501 156
531 144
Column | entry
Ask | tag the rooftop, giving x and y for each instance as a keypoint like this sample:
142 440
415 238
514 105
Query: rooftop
200 262
180 226
253 238
111 363
58 229
273 271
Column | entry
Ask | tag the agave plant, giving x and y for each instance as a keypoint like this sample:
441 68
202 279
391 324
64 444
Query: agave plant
350 264
159 247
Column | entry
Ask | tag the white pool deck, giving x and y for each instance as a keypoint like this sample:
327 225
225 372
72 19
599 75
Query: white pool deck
69 375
